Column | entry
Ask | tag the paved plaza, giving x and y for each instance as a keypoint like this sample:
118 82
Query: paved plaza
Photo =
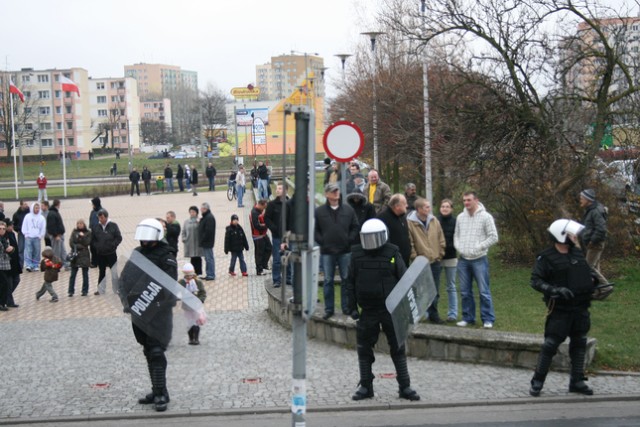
78 360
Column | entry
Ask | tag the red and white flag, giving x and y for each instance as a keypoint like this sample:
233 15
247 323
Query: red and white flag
14 89
68 85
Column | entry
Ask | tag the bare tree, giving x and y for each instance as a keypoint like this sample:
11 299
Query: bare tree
23 116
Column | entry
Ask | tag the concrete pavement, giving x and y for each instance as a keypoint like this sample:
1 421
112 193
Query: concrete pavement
78 360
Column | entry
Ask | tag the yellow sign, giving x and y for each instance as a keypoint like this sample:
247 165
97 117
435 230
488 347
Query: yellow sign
244 92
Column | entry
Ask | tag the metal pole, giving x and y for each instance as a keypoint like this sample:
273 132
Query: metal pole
301 227
13 142
235 125
372 36
427 130
64 154
343 169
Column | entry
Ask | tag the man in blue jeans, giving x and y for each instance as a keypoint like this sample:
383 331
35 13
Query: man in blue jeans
273 219
207 236
336 230
475 233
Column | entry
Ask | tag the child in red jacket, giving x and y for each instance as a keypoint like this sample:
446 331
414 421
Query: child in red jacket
50 265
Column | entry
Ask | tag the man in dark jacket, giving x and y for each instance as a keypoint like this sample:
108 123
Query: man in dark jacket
168 176
151 327
211 173
207 236
146 178
273 219
336 230
105 238
361 206
263 180
17 219
173 230
56 230
592 238
134 177
395 218
14 258
180 177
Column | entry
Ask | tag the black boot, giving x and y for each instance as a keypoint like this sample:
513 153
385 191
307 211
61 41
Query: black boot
160 403
191 339
196 335
536 384
365 386
147 399
402 376
577 353
159 378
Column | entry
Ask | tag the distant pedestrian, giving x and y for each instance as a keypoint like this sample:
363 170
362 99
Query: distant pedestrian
194 180
134 177
17 218
377 192
81 257
241 182
261 242
168 176
191 241
56 230
263 181
207 239
42 187
235 241
146 178
410 195
96 206
50 266
450 259
180 177
395 218
14 257
173 230
106 238
211 173
5 267
187 177
592 238
34 228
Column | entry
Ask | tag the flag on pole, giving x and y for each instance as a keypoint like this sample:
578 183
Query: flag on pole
68 85
14 89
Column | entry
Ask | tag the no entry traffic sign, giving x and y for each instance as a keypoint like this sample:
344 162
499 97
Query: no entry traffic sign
343 141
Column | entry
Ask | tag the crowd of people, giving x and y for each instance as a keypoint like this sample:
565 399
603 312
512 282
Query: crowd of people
370 236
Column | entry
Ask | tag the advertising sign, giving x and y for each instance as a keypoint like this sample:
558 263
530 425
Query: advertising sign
243 116
259 132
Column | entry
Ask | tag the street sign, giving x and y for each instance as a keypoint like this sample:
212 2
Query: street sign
343 141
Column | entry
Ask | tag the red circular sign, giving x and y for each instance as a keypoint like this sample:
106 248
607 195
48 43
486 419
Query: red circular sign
343 141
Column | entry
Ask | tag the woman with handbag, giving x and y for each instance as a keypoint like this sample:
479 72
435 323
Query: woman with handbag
79 257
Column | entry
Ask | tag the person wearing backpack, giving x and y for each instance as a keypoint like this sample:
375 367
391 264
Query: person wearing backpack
592 238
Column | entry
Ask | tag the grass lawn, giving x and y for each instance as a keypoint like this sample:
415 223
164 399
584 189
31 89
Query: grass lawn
519 308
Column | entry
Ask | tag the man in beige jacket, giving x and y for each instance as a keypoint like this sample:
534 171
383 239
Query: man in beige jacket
427 239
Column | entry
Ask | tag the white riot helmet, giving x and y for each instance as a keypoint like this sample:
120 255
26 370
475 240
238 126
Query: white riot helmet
561 227
373 234
149 230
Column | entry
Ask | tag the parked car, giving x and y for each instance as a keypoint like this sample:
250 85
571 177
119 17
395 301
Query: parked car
160 155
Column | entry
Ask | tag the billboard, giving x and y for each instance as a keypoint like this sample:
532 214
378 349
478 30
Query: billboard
243 116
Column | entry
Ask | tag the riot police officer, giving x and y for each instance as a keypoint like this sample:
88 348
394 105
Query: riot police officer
562 275
151 306
376 267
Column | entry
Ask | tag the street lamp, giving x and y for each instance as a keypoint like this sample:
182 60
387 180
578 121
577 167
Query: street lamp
373 35
427 131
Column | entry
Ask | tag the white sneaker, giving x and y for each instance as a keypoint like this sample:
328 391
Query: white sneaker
462 324
487 325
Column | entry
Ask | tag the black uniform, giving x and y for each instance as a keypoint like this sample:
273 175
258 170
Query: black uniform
134 177
567 283
146 178
372 276
153 326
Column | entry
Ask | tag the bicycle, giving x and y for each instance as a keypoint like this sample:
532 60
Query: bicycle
231 191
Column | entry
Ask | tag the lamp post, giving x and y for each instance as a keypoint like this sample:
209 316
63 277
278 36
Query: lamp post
343 169
373 35
427 131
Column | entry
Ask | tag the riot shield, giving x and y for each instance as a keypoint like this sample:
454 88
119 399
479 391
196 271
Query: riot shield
410 298
149 295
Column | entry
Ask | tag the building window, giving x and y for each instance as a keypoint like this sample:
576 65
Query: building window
116 140
59 125
59 142
103 140
43 78
43 94
99 85
44 111
123 125
26 78
102 100
70 142
147 115
28 126
27 94
67 109
124 139
102 113
114 98
122 111
45 126
46 142
58 110
69 125
57 94
27 110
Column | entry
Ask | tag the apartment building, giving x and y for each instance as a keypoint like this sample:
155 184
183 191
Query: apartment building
50 115
286 73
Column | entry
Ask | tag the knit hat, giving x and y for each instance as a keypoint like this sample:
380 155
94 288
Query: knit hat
188 269
234 216
588 194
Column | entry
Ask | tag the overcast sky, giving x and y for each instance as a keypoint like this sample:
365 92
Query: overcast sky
222 40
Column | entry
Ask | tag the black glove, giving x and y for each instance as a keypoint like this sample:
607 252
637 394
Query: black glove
561 292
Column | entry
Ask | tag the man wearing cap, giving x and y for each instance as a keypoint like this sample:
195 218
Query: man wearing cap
336 230
593 236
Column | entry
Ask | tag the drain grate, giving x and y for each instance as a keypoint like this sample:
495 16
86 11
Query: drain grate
256 380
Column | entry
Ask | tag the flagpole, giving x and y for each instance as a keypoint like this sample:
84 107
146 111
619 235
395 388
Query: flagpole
64 151
13 142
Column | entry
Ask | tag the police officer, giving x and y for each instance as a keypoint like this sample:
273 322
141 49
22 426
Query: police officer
376 267
151 306
562 275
